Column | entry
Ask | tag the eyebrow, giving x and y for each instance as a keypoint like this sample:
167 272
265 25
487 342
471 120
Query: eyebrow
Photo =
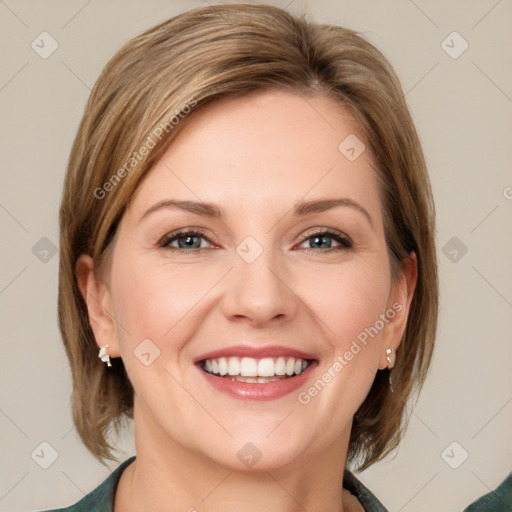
321 205
301 208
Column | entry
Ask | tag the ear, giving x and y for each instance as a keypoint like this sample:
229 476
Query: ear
399 304
97 297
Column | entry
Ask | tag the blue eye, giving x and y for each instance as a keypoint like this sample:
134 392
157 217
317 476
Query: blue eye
323 240
186 240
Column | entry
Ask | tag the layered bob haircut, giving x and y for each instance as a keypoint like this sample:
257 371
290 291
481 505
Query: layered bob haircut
148 91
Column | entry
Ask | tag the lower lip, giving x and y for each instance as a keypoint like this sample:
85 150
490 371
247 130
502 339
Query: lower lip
251 391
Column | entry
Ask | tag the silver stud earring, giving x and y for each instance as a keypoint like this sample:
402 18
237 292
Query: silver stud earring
391 357
104 356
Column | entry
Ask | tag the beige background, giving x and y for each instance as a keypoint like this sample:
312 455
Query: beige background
463 110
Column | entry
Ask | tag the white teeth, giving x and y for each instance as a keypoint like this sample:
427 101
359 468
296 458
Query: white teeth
251 368
234 366
266 367
223 365
290 366
254 380
280 368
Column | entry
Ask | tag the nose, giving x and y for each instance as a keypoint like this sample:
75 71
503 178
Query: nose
260 293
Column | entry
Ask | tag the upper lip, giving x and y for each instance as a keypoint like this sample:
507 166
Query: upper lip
259 352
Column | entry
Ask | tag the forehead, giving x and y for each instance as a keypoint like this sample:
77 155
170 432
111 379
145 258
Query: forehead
265 151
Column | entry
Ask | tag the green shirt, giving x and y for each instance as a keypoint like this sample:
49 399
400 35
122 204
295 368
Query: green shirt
101 499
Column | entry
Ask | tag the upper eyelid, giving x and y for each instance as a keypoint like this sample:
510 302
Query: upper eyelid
321 230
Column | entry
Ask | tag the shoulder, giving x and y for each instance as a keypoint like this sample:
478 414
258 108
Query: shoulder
369 501
100 499
499 500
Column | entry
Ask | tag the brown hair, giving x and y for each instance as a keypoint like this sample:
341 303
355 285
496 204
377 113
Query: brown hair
181 65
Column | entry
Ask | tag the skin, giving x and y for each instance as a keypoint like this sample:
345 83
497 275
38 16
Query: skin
255 157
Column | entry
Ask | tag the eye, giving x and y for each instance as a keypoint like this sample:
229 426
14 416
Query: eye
323 240
186 240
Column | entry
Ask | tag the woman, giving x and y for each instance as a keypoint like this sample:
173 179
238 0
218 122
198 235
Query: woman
247 245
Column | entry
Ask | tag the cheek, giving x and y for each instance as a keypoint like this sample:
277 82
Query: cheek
156 301
349 303
348 298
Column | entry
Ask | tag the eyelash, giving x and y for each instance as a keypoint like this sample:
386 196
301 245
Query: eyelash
344 241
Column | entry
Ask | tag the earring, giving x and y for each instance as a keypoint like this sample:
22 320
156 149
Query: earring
390 356
104 356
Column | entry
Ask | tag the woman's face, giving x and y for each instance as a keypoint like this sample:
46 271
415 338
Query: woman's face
269 274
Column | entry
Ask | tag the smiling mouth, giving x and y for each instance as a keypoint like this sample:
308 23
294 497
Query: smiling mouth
255 370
